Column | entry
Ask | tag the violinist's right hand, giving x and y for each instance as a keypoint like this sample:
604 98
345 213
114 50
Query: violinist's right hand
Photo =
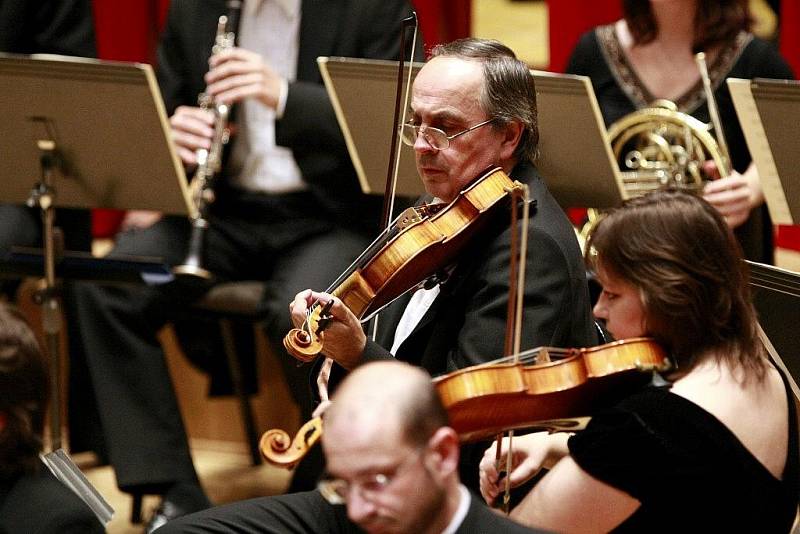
344 337
531 452
192 129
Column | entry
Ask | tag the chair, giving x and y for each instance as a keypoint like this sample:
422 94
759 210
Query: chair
227 303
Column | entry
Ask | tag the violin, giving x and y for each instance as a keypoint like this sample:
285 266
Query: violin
415 248
547 388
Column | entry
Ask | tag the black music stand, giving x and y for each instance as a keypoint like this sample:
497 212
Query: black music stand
768 111
96 133
776 297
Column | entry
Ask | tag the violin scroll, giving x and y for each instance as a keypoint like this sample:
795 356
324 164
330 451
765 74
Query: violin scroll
303 345
280 450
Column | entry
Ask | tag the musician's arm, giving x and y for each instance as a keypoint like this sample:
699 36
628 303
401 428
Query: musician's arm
531 453
374 352
553 502
735 195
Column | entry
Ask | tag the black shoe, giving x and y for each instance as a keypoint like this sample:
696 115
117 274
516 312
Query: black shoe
166 512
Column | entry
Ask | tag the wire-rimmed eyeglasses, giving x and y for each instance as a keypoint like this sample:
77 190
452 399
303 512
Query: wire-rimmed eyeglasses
336 490
436 138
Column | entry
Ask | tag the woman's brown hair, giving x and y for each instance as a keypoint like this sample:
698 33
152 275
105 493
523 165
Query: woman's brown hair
715 21
680 254
23 395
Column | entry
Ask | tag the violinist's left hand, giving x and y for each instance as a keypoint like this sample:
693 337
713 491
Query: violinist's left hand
344 337
735 195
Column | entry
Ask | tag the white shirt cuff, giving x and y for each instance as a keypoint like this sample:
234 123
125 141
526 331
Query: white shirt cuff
281 107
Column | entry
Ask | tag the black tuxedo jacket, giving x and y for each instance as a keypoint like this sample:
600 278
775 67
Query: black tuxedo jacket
465 325
38 503
309 127
480 519
53 26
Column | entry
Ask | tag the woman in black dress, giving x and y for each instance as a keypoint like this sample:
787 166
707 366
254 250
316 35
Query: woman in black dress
713 448
649 55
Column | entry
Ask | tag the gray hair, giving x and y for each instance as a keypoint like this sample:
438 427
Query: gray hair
508 93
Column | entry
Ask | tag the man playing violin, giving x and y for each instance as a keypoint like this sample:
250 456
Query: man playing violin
714 450
473 106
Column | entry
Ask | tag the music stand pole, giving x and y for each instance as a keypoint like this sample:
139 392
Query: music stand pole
43 197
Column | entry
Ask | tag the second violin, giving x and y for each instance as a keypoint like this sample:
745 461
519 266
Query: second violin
549 388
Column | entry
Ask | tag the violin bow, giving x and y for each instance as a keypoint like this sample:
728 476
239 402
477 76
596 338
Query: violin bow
394 163
399 118
516 292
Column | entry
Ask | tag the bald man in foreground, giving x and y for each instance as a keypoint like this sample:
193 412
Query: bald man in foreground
392 467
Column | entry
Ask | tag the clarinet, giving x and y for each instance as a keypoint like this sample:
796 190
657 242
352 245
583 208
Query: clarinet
209 161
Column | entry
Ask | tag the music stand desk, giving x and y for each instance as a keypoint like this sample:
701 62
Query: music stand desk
362 92
28 262
109 127
575 157
769 111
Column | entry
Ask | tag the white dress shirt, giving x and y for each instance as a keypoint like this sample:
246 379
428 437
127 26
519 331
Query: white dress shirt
270 28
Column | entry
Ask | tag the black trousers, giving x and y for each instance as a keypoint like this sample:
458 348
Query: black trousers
22 226
285 240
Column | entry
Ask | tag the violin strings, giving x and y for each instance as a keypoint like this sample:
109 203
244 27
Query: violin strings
369 252
777 289
526 356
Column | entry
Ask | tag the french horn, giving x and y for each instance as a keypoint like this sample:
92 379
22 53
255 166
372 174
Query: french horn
659 147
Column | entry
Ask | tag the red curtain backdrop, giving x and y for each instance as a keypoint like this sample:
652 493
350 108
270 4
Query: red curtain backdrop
789 236
569 19
443 20
125 31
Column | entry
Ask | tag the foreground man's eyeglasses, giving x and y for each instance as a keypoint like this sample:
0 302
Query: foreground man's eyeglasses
336 490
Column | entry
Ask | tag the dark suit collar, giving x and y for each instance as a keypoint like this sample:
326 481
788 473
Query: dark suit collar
389 318
525 172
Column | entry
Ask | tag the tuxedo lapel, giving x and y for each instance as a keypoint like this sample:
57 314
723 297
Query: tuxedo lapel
320 25
390 318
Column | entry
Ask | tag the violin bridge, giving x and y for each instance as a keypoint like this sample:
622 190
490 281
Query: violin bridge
543 356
